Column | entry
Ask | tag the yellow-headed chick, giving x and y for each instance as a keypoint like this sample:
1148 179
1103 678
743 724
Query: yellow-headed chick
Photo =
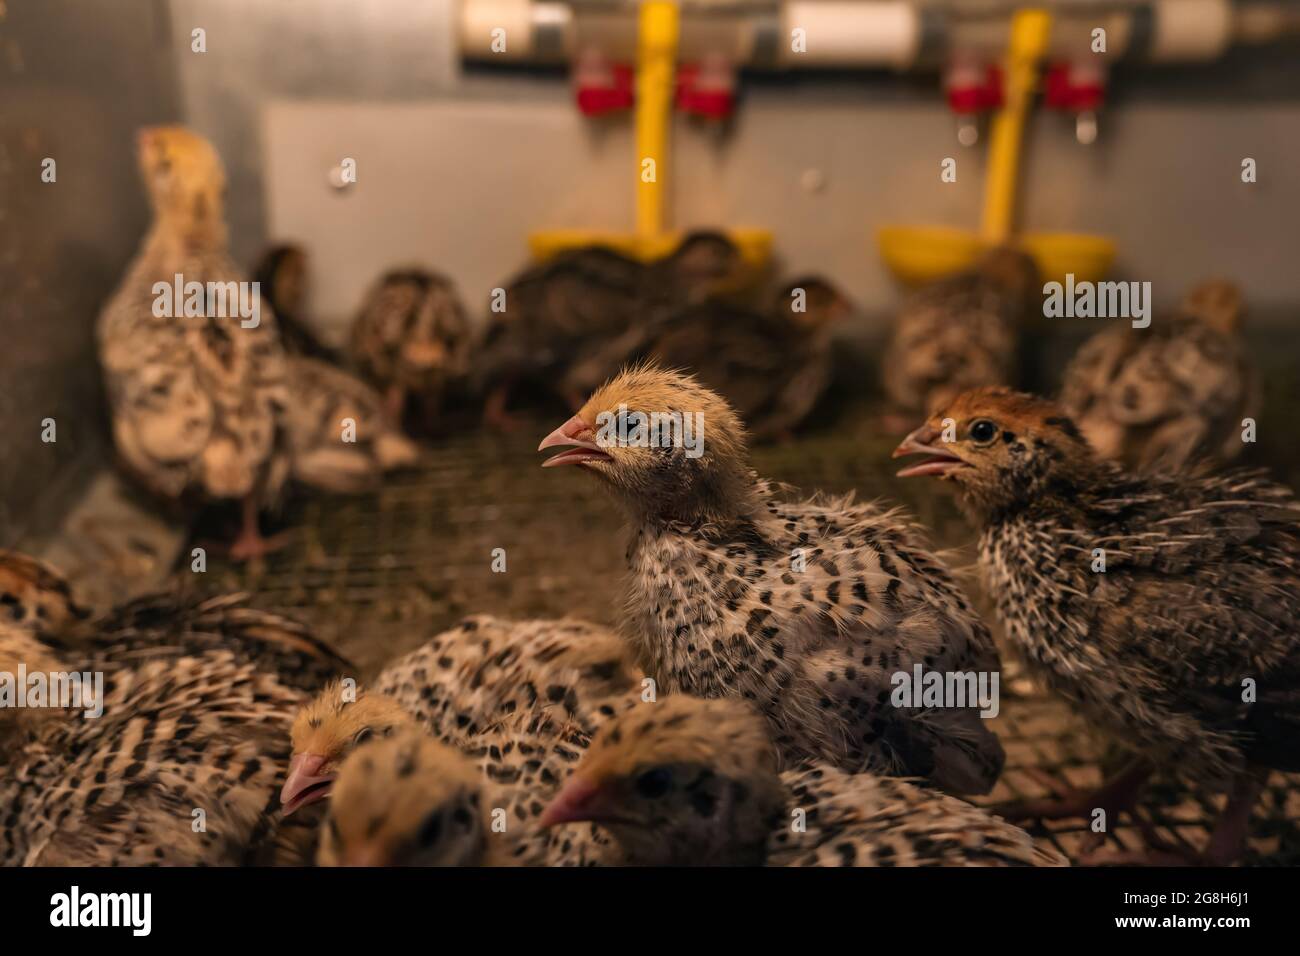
195 399
959 332
1163 607
413 339
1161 397
407 800
808 608
690 782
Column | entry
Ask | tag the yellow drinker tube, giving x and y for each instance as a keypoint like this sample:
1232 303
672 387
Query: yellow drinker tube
919 254
656 67
658 26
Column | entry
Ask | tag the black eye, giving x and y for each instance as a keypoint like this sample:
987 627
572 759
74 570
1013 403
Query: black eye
364 734
983 431
654 783
430 830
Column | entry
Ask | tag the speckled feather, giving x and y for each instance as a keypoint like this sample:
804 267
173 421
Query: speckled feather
870 821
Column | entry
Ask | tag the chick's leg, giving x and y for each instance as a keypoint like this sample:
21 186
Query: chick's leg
494 409
395 404
1116 795
1227 841
250 543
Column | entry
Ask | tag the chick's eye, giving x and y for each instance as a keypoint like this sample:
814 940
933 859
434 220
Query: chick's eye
430 830
654 783
982 430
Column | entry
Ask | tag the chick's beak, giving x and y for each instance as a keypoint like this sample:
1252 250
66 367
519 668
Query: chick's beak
305 784
921 442
578 434
580 800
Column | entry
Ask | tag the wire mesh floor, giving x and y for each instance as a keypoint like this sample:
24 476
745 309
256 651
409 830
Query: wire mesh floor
377 575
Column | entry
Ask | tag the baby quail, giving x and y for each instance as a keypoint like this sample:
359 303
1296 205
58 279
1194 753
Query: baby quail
1160 397
176 770
1163 607
959 332
772 366
813 610
195 400
563 322
196 700
282 277
339 438
685 781
412 338
462 683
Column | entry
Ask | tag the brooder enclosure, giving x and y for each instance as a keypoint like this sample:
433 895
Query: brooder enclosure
399 244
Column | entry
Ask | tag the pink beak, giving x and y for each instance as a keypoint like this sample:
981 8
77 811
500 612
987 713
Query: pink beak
577 433
921 442
579 800
305 784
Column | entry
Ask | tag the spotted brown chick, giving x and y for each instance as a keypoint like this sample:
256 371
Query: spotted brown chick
773 367
162 625
1153 604
1161 397
195 401
563 322
487 669
340 439
959 332
413 339
176 770
807 608
461 684
685 781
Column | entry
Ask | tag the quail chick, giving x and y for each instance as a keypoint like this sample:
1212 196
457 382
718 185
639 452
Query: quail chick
560 319
1157 398
462 683
573 321
685 781
197 698
407 800
1149 603
705 265
195 401
36 596
957 333
339 438
809 609
182 741
412 338
282 276
772 367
